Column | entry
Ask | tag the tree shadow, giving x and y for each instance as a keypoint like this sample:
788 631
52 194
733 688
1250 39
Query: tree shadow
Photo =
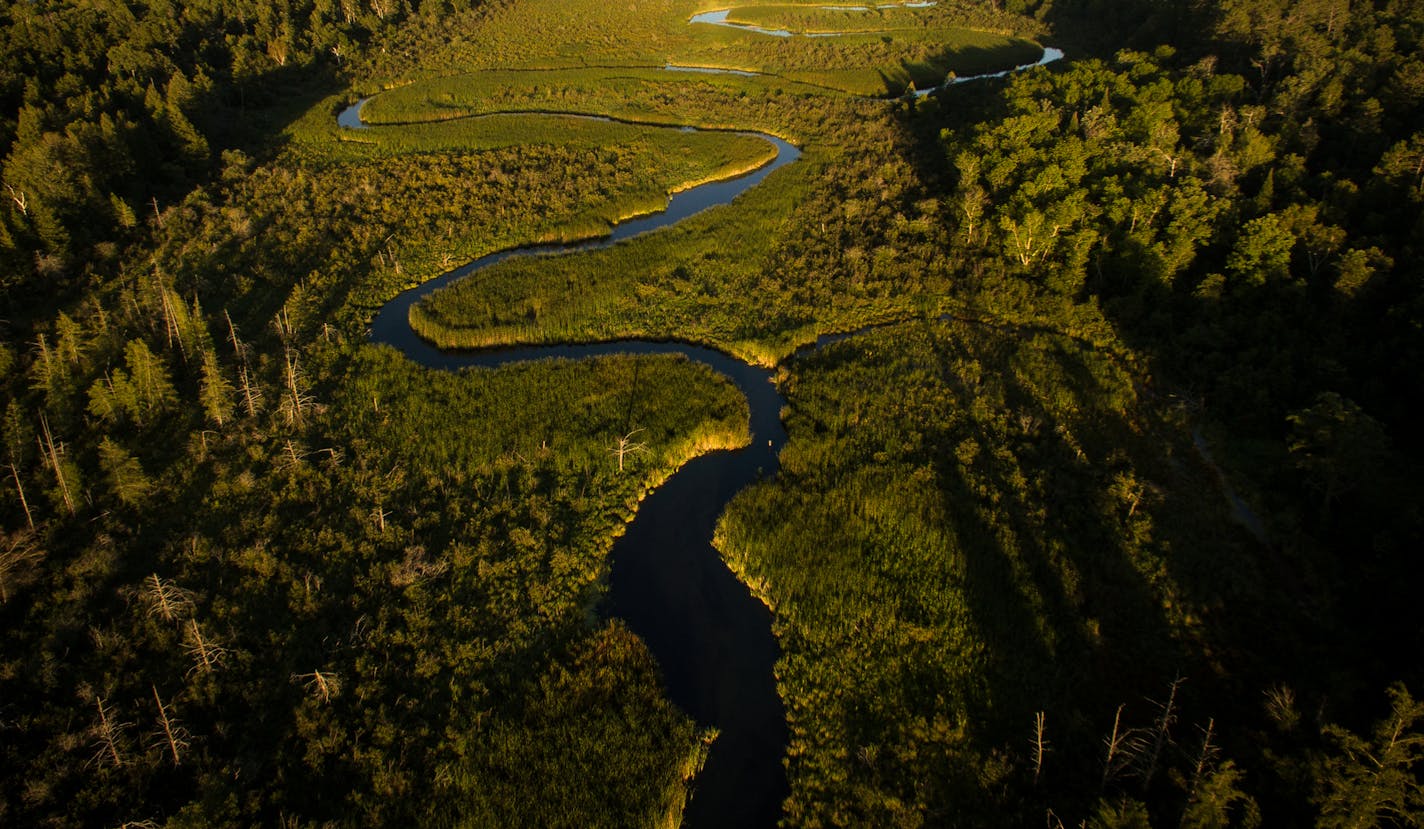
1056 590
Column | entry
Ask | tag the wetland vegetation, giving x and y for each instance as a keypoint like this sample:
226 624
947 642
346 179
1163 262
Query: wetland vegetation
255 570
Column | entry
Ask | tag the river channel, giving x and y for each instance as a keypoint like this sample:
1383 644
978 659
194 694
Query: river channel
712 639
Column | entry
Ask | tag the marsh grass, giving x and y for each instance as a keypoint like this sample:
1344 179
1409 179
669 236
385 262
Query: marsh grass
958 508
687 282
586 35
636 94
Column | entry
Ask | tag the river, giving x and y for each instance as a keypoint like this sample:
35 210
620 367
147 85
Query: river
712 639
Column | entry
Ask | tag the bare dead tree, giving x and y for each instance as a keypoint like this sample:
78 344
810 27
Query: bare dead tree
1119 752
239 348
1040 745
294 453
175 736
1205 761
282 322
108 734
207 655
321 685
1281 707
1162 730
19 197
251 396
52 453
277 50
46 358
170 320
165 599
295 402
1171 160
24 502
18 556
627 446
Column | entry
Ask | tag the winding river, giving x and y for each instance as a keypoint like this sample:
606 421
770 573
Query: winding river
711 637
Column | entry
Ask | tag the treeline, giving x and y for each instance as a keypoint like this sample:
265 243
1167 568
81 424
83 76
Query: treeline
1255 235
110 110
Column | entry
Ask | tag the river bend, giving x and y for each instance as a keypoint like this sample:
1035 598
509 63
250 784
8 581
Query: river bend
710 636
712 639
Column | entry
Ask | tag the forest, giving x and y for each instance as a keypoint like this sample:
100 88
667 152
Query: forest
1105 511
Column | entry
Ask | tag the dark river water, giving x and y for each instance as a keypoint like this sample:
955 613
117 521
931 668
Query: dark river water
711 637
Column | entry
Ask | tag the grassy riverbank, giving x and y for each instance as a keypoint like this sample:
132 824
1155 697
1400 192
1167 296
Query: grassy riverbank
833 243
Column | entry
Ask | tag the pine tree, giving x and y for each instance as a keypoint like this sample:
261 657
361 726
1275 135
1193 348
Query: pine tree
1375 781
215 391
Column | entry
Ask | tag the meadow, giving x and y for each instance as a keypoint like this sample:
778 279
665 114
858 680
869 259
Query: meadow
923 47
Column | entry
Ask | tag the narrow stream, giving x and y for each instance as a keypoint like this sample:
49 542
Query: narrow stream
719 17
711 637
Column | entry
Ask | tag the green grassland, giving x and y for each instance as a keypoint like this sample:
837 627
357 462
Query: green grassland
728 277
811 19
875 52
640 95
922 48
704 281
448 192
869 63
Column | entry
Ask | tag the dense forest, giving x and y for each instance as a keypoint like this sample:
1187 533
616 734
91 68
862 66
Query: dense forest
1106 514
